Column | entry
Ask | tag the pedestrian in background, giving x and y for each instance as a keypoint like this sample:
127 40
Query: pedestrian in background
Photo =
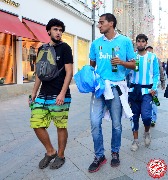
167 69
101 58
166 92
144 83
53 100
164 70
162 80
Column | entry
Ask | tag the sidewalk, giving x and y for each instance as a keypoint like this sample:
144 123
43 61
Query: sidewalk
21 151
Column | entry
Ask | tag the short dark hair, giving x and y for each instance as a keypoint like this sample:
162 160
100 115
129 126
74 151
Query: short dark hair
142 36
110 17
55 22
150 47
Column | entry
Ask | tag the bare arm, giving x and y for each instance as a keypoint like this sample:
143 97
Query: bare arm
36 87
67 80
93 63
128 65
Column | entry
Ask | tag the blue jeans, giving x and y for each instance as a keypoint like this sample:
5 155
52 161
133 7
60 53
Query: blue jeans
97 106
154 110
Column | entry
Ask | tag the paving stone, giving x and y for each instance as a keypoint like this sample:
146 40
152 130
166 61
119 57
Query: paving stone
71 176
37 176
127 163
21 151
68 167
78 151
163 151
15 175
5 157
125 177
86 142
13 164
7 137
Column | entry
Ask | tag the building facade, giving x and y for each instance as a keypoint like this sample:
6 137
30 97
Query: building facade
22 32
134 17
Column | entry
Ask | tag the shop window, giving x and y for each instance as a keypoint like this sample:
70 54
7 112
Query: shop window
84 1
83 52
69 39
29 54
7 74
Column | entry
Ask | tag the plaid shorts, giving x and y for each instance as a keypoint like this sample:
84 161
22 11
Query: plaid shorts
44 110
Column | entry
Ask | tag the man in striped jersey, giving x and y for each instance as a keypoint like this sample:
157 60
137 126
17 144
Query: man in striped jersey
144 83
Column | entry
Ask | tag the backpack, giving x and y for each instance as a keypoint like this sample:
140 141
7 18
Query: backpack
46 65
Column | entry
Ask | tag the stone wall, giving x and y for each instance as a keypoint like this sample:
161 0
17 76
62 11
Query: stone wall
8 91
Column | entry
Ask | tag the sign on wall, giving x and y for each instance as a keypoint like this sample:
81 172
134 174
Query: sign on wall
12 3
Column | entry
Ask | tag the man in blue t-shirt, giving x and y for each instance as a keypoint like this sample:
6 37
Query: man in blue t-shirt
101 59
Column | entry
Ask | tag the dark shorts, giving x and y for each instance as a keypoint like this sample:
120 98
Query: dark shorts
143 108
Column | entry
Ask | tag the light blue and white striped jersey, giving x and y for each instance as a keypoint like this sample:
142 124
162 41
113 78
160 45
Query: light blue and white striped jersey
101 52
148 72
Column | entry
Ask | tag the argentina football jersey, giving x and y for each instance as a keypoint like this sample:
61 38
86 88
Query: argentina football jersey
148 73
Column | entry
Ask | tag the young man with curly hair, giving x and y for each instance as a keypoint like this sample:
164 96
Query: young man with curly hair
53 100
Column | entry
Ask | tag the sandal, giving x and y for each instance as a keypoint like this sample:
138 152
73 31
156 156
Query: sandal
46 160
58 162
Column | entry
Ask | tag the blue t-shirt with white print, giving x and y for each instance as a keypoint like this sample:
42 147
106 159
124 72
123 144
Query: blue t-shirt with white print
101 52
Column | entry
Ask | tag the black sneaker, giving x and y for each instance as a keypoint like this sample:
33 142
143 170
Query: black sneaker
95 166
115 159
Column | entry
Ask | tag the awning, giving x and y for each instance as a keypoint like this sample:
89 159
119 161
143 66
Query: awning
38 30
11 24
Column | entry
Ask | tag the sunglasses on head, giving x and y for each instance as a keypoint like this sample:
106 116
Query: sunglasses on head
141 41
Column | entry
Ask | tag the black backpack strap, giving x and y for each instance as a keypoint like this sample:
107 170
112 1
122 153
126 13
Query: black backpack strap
45 46
55 52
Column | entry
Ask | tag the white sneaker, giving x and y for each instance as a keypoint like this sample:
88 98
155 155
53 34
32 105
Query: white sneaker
147 138
135 146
